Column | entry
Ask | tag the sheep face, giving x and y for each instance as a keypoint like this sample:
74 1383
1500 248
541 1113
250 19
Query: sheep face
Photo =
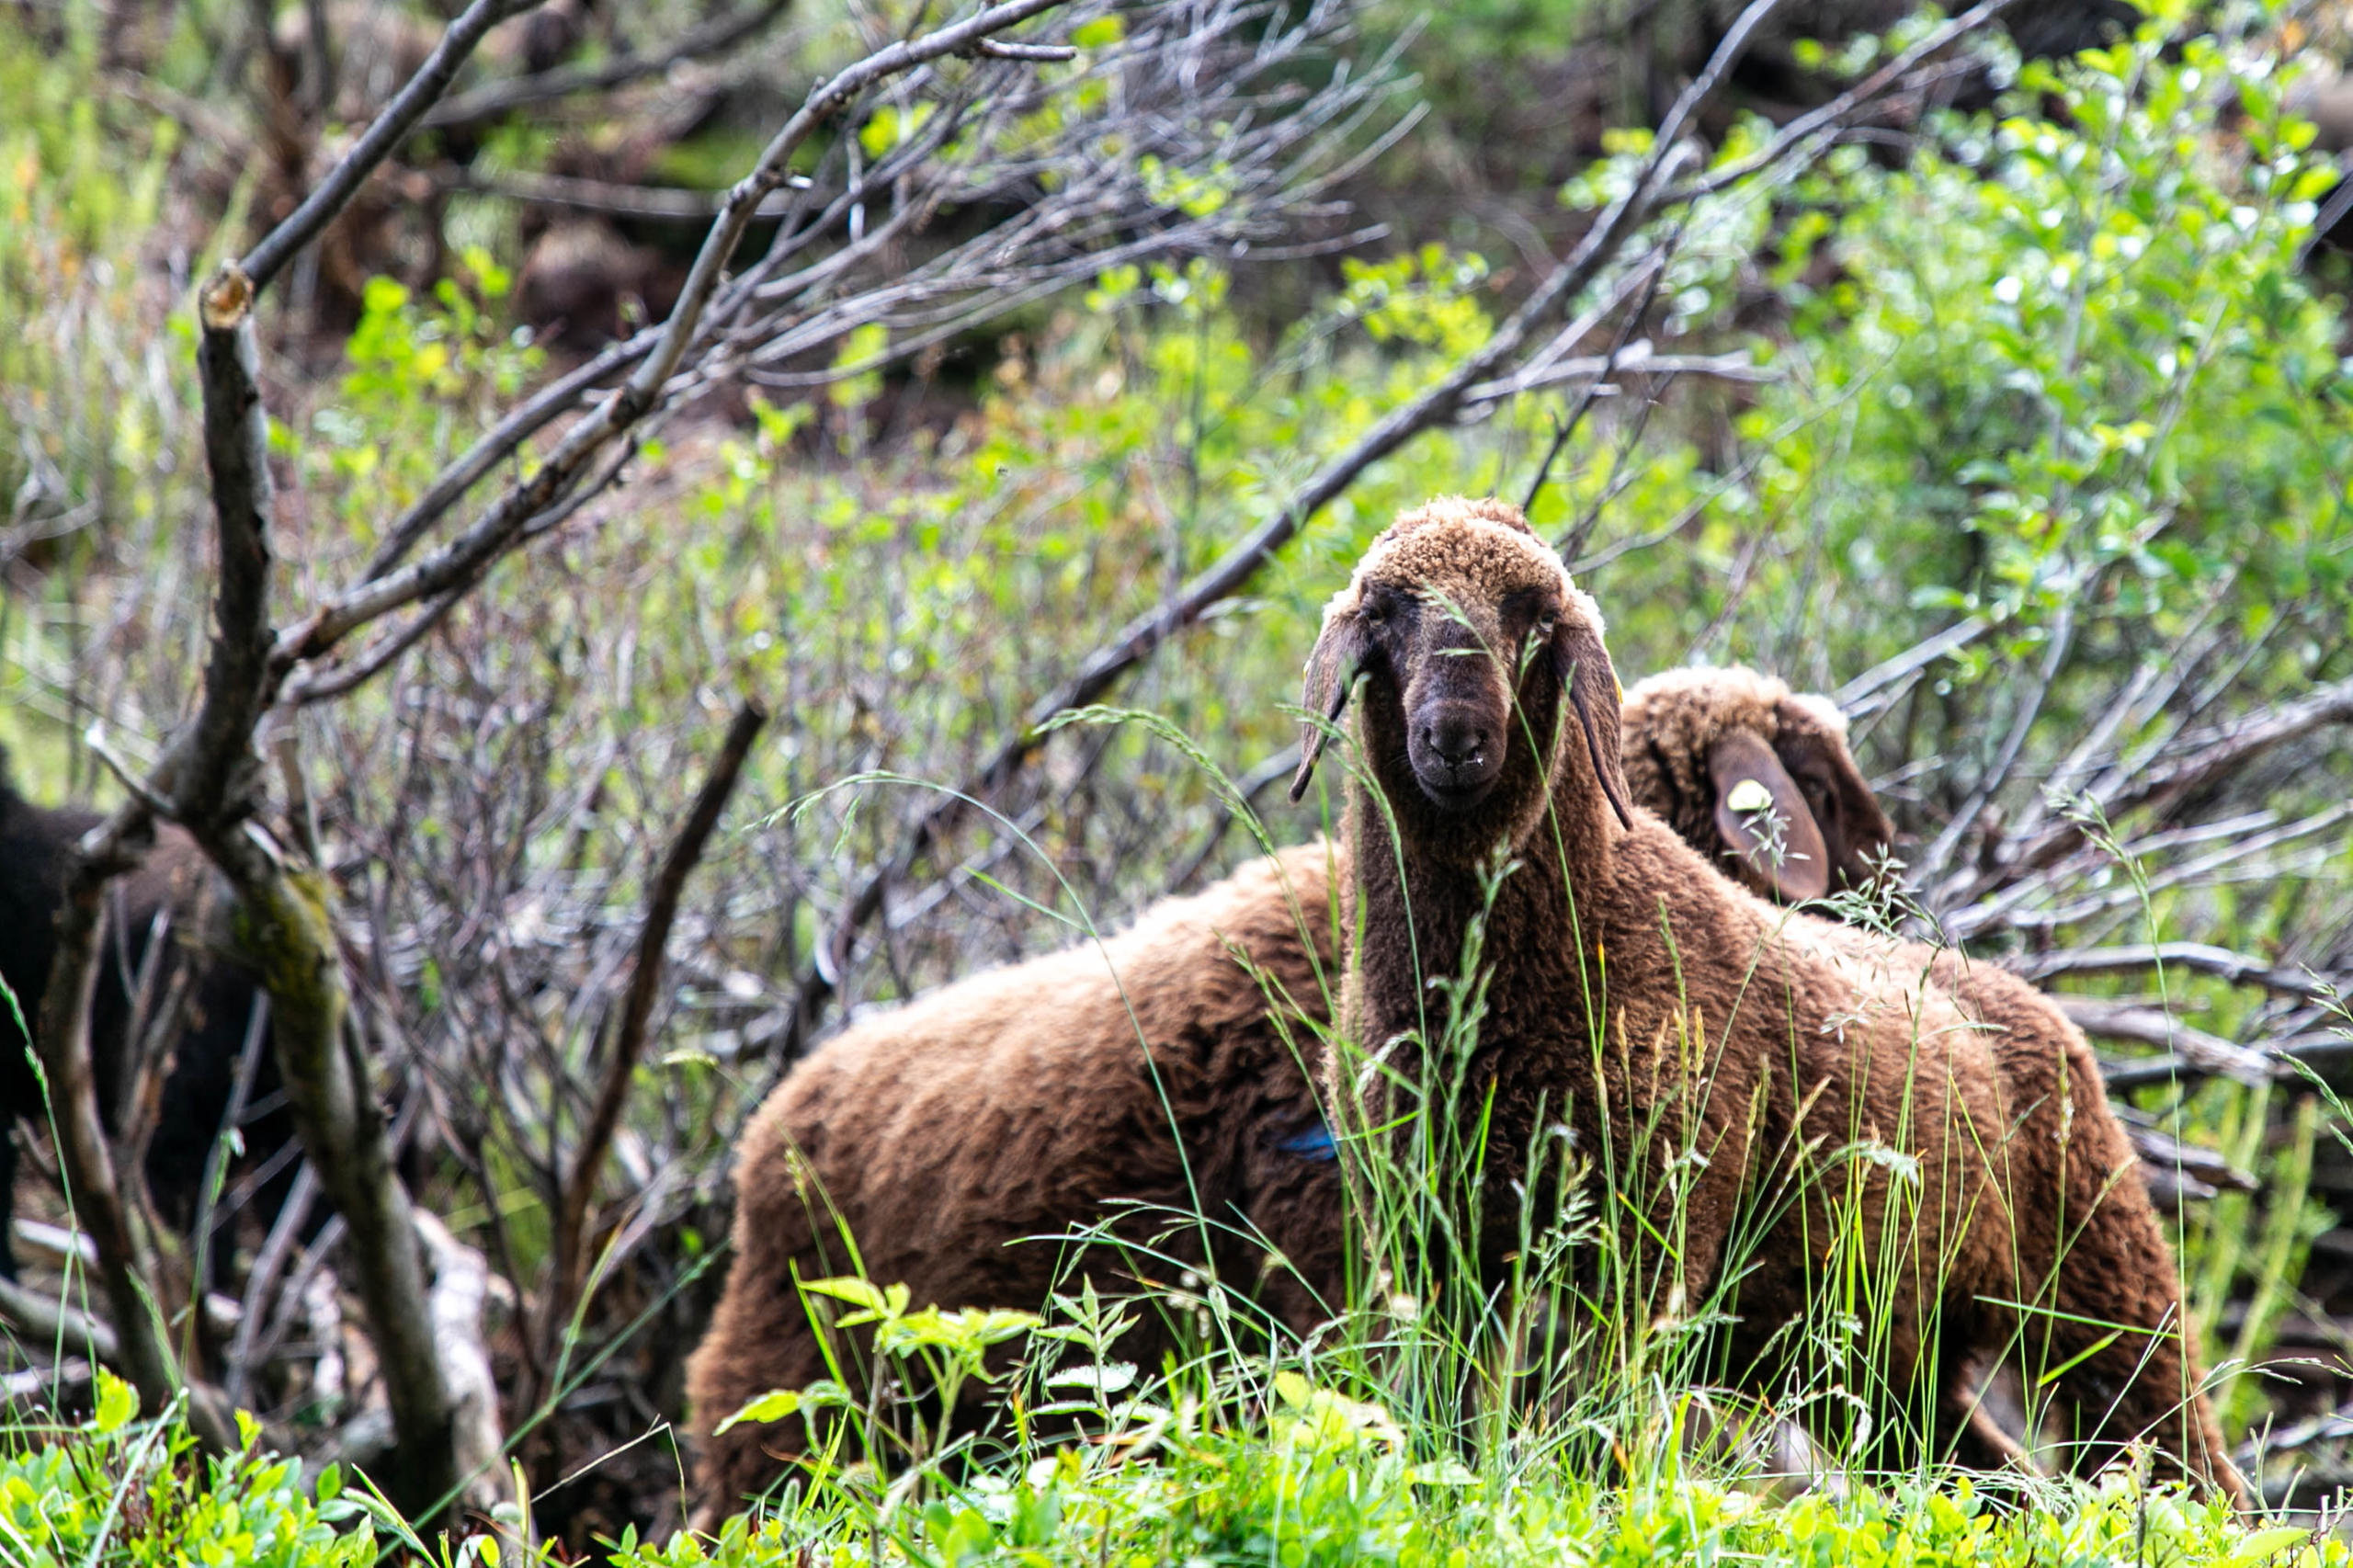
1812 746
1468 635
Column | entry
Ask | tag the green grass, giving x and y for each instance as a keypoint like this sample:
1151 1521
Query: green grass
1291 1476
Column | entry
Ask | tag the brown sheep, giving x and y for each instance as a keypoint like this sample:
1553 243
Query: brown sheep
1670 1019
944 1131
951 1129
1692 737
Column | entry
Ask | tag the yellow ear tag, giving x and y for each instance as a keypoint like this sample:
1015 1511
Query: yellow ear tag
1748 796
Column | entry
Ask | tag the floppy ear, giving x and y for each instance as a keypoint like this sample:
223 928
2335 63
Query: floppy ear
1331 676
1591 682
1750 781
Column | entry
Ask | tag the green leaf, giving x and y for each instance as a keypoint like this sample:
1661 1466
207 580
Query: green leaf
849 1287
773 1405
118 1403
2263 1545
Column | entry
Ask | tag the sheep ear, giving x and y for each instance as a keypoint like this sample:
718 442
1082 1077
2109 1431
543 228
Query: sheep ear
1585 670
1331 676
1750 783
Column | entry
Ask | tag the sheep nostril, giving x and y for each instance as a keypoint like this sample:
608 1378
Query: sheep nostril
1457 746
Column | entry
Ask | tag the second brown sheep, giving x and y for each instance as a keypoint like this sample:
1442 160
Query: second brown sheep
1014 1103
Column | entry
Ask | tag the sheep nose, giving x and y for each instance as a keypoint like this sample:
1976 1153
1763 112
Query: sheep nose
1458 742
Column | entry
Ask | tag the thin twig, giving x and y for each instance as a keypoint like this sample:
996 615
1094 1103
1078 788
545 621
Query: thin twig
1564 430
629 1041
486 103
331 194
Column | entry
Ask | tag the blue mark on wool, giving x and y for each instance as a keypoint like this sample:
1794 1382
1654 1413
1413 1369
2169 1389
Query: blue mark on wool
1315 1143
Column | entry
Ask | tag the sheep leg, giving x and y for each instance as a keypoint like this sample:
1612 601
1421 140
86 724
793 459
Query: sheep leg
761 1338
2092 1270
729 1372
2103 1321
2116 1331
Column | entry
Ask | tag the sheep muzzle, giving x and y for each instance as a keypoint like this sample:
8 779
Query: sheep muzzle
1455 744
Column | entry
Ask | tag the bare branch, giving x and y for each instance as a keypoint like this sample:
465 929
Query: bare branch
1931 865
629 1041
1832 116
2239 968
332 194
34 1318
460 559
2208 1053
2230 747
214 776
489 102
1041 54
125 1261
1652 271
1854 697
460 1286
659 203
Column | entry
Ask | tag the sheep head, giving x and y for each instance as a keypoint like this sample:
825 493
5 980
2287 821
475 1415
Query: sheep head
1468 635
1733 759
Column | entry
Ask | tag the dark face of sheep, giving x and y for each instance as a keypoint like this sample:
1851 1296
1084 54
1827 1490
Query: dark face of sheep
1811 748
1471 641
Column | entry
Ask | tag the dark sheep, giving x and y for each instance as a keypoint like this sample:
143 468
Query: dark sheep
1487 722
175 880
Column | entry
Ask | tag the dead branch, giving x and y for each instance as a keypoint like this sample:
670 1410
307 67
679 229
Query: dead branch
487 103
212 774
1651 272
2242 969
2199 765
263 1280
461 561
2207 1053
461 1288
1856 697
604 197
390 128
35 1319
125 1267
629 1040
1076 212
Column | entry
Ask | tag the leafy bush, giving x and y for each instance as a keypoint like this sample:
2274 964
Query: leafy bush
122 1490
1314 1481
2070 360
